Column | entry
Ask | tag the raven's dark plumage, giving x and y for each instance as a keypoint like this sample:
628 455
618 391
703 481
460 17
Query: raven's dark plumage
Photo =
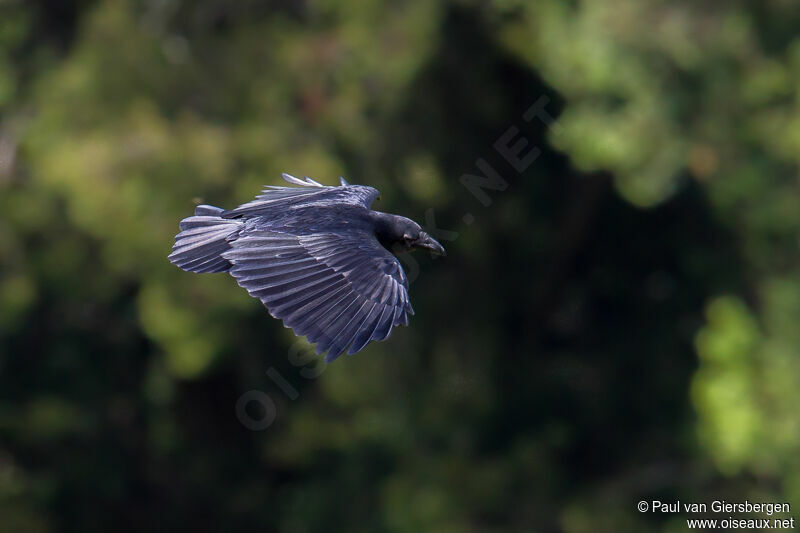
315 256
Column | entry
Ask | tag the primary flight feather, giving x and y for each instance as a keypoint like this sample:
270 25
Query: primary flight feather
316 256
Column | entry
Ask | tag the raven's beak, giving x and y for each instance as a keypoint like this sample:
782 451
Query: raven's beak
428 242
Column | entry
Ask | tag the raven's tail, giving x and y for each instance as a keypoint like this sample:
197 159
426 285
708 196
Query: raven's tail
203 239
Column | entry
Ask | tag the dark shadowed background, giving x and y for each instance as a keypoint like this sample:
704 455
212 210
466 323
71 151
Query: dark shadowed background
621 322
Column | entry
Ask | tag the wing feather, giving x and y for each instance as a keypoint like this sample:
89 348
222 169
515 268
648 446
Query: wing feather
310 192
385 324
340 290
348 332
364 334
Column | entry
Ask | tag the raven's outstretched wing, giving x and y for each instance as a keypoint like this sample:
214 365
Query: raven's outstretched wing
340 290
311 193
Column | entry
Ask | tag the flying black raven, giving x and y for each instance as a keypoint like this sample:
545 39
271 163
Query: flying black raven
315 255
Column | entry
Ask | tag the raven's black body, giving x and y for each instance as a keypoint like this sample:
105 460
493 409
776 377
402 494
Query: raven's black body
316 256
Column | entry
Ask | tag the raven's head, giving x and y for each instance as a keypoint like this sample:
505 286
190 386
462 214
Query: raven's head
409 234
420 239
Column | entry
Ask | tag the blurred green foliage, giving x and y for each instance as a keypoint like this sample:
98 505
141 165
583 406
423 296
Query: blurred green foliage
619 325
